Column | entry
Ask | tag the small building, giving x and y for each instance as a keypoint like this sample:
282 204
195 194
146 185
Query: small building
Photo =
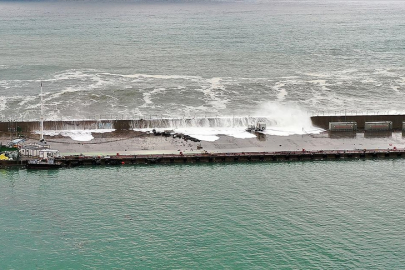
342 126
33 150
49 153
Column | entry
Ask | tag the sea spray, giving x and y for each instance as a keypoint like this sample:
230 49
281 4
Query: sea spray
76 135
281 120
285 119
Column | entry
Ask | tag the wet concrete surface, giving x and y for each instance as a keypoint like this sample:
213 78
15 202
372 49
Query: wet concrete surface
129 143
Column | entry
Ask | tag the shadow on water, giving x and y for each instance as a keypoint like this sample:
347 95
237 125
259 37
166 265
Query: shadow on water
52 173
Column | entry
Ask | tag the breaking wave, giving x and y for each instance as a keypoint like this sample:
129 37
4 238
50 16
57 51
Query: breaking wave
285 103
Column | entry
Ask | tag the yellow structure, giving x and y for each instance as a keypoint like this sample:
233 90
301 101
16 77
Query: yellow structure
3 157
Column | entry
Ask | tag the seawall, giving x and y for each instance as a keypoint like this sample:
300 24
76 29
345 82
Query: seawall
123 125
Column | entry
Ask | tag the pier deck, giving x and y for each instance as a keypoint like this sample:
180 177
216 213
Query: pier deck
81 160
232 157
134 148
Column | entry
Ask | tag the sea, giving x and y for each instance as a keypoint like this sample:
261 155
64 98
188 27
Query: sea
281 61
298 215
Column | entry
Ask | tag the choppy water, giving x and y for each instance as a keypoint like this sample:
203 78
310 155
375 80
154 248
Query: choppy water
310 215
103 59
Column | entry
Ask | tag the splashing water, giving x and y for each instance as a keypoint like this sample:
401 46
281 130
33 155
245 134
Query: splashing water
280 119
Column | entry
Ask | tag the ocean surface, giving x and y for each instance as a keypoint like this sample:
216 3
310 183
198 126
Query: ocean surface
299 215
108 59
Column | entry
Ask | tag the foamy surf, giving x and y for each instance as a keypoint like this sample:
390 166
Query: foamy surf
280 119
204 133
93 94
286 132
212 134
83 135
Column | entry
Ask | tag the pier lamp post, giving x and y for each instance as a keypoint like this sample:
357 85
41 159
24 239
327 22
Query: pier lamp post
42 116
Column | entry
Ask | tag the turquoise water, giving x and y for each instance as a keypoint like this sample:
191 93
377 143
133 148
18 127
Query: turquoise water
310 215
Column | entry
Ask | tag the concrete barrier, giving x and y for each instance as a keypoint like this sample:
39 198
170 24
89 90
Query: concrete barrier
119 125
342 126
122 125
323 121
378 126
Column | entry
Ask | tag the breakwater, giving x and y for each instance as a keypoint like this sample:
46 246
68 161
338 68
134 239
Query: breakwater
125 124
80 160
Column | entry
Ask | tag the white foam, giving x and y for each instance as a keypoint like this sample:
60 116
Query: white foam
158 76
385 72
320 75
213 91
147 96
282 92
368 80
286 119
206 133
82 135
275 131
5 84
281 120
71 74
395 88
26 100
211 134
3 102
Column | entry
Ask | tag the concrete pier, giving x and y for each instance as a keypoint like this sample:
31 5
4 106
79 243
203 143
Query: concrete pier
284 156
126 146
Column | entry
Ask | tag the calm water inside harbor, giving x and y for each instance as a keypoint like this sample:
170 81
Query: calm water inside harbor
300 215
